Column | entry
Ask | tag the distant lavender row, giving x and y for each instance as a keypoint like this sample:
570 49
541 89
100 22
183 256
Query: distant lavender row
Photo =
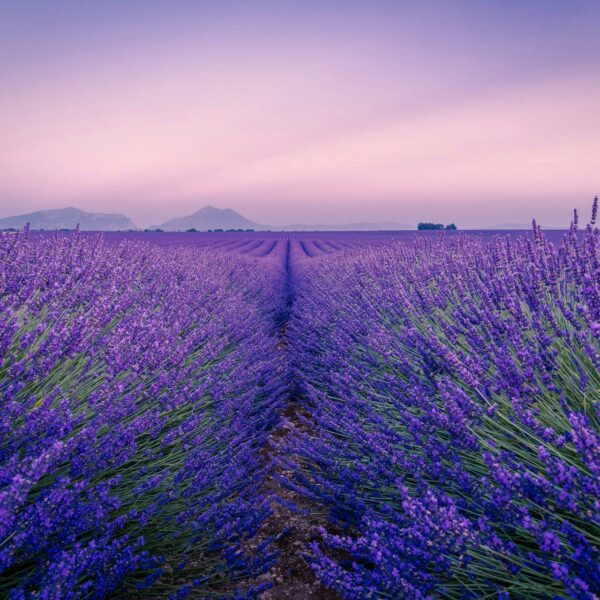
453 388
348 238
136 387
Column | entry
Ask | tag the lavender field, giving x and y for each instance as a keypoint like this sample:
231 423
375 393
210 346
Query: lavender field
417 413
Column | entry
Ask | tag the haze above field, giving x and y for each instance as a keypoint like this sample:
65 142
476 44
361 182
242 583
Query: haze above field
312 113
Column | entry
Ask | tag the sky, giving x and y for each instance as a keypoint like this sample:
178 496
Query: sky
479 112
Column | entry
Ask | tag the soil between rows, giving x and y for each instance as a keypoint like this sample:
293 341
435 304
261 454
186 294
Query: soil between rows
291 575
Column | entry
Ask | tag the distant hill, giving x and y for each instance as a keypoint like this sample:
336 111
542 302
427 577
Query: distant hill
204 219
68 218
211 217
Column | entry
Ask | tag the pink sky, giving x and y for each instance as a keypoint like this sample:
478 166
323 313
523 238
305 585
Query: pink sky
332 112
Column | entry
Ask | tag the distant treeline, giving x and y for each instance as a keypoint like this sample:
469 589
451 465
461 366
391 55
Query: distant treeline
437 226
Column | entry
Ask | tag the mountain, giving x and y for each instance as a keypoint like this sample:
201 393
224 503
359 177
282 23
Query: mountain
68 218
206 218
210 217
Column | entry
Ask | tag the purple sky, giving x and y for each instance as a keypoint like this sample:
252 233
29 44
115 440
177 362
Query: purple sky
475 112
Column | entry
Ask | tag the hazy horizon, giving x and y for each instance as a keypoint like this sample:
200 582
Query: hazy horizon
402 224
314 112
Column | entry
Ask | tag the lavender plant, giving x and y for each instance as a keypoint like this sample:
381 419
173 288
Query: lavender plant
453 389
137 384
452 386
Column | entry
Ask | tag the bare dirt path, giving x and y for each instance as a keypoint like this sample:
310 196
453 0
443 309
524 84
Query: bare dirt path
291 576
294 529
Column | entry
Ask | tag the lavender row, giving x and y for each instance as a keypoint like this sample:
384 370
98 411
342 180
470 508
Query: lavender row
137 384
453 387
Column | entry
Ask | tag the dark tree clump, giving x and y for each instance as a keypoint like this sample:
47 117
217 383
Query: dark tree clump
435 227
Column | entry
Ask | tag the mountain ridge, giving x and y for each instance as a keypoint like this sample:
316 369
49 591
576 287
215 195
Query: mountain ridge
68 218
210 217
205 218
